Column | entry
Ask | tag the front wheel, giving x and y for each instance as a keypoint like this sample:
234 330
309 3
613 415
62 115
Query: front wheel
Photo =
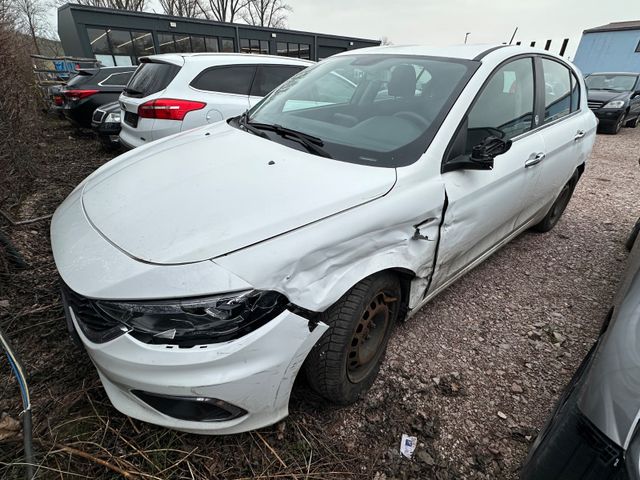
345 361
558 207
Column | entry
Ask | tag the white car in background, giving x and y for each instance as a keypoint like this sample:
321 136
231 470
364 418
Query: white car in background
203 271
175 92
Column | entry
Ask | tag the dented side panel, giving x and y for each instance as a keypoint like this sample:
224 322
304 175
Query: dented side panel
315 265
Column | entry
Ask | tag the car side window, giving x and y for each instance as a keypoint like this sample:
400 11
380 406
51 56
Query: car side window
575 93
235 79
504 108
557 90
268 77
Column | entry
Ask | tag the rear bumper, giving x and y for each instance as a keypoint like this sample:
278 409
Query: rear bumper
251 376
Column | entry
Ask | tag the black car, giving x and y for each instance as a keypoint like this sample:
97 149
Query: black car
91 88
106 124
615 99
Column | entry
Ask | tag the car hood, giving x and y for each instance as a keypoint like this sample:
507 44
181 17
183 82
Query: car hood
217 189
606 95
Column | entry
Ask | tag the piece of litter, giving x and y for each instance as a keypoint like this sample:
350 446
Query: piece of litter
502 415
408 445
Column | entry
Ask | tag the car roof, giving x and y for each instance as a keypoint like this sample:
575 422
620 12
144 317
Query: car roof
226 58
463 52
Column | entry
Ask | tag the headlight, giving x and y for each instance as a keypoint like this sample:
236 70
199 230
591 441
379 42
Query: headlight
615 104
112 118
179 322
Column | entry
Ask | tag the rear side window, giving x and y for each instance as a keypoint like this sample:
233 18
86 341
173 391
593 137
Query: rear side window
575 93
151 78
116 79
234 79
268 77
557 90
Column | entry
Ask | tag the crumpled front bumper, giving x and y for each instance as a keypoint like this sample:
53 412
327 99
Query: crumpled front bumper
254 373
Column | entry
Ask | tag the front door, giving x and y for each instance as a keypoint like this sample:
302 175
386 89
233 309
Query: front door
484 206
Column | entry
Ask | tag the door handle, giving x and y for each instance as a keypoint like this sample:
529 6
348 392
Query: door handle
534 160
579 134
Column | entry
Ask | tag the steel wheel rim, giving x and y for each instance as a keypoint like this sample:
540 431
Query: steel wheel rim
369 337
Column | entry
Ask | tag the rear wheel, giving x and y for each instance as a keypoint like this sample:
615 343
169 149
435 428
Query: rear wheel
558 207
345 361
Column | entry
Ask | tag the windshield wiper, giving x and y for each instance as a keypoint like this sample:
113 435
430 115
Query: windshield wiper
313 144
244 123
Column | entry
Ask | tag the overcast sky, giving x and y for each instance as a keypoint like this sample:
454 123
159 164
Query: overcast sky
445 22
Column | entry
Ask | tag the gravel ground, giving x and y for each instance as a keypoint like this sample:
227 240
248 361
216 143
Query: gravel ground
473 375
488 358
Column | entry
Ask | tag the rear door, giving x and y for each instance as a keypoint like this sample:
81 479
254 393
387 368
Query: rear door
225 89
484 206
565 129
268 77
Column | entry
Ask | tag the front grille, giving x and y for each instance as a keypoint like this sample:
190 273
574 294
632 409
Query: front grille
608 452
594 105
98 116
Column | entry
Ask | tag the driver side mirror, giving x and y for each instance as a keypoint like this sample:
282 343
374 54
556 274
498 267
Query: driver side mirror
635 94
482 155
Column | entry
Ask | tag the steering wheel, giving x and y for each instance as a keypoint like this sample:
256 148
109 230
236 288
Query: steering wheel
412 117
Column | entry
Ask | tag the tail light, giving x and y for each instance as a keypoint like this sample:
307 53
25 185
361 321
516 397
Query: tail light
74 95
58 100
168 108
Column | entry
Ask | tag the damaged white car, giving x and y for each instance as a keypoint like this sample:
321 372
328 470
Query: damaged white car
203 271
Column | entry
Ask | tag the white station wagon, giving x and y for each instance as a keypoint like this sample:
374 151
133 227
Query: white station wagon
203 271
173 92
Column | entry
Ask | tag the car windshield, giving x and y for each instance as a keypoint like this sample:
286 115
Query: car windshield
370 109
616 83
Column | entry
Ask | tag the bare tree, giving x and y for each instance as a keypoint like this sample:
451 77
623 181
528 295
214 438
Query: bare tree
266 13
31 18
182 8
223 10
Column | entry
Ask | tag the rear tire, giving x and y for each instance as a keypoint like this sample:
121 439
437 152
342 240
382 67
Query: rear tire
345 361
557 209
633 123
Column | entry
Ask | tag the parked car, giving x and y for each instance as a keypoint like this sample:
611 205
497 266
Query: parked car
171 93
201 271
615 99
593 431
106 124
91 88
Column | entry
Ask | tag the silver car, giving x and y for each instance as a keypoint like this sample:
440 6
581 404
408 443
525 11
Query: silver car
593 432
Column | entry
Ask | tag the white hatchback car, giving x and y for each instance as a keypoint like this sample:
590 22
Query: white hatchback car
201 272
174 92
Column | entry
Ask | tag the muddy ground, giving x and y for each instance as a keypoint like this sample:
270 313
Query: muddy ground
473 375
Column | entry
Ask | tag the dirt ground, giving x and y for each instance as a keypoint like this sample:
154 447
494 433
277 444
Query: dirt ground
473 375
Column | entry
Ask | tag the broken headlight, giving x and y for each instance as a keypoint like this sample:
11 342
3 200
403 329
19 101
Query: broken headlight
192 322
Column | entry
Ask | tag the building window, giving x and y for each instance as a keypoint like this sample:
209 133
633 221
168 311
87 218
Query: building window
254 46
183 43
297 50
228 45
165 43
119 47
211 44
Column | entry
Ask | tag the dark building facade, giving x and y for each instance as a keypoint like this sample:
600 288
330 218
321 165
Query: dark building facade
120 37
